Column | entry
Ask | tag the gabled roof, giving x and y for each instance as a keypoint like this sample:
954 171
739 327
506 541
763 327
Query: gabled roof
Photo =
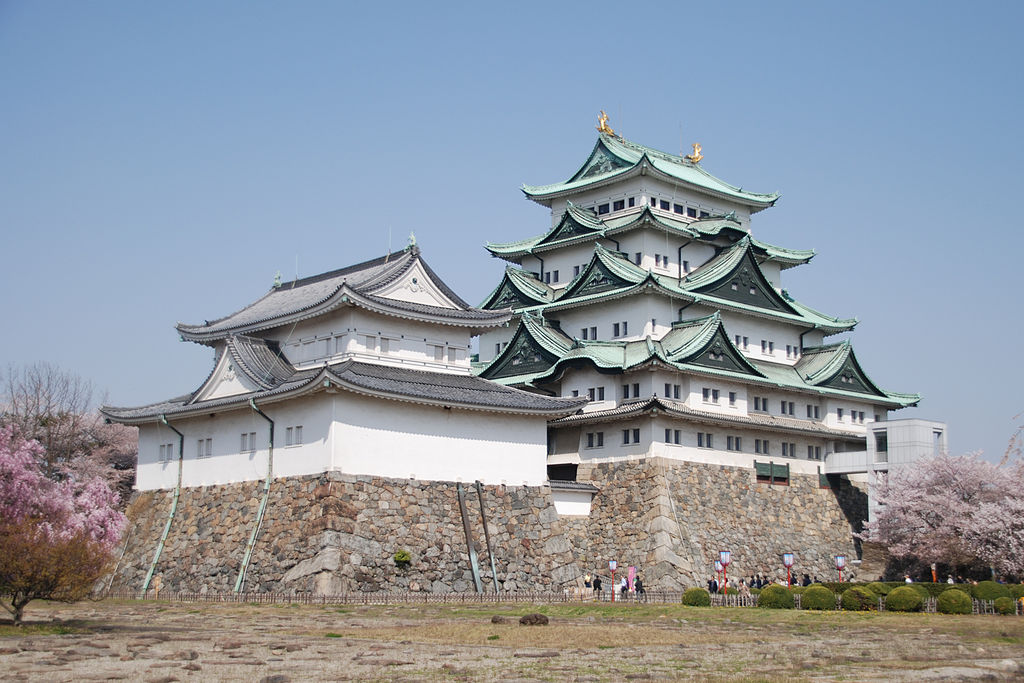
579 226
518 289
540 353
366 285
611 275
370 379
614 158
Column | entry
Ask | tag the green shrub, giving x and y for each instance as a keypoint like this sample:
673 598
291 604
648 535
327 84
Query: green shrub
818 597
775 597
1016 590
755 591
402 558
878 588
920 589
904 599
936 589
1005 605
797 590
990 590
696 597
954 601
859 599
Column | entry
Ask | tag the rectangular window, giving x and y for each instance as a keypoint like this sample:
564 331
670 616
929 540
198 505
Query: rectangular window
298 434
678 436
636 389
762 446
554 276
625 391
636 436
792 408
547 278
637 257
575 271
625 436
595 439
771 348
668 436
764 346
663 205
591 394
575 393
785 449
704 214
584 333
709 440
370 342
733 443
288 436
625 328
632 202
385 345
615 330
452 354
590 439
732 398
700 439
691 212
438 353
600 393
678 208
668 390
860 417
810 452
602 209
654 202
686 266
706 394
618 205
714 395
810 411
839 414
675 391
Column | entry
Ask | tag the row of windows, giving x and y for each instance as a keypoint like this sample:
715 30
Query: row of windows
166 452
635 389
856 416
656 203
735 443
620 329
313 349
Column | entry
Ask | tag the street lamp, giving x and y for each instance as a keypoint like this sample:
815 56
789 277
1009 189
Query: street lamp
787 560
725 557
840 563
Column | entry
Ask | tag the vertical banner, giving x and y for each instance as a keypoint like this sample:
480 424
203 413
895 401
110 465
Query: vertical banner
632 576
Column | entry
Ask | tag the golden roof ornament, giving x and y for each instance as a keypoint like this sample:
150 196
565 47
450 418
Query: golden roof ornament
696 156
602 124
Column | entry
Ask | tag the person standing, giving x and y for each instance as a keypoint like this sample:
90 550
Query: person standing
597 586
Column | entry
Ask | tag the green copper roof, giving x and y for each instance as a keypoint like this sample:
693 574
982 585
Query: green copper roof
611 275
614 157
540 352
518 289
578 226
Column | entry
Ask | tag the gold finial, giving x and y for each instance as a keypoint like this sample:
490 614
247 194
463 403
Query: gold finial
696 156
602 124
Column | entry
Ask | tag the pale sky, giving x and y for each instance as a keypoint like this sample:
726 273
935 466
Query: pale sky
160 162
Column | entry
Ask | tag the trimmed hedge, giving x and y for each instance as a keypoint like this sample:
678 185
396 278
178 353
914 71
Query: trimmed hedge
904 599
1005 605
880 589
920 589
797 590
954 602
818 597
696 597
859 599
990 590
775 597
1016 590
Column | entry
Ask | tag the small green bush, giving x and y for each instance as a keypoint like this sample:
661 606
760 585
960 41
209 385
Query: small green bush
797 590
936 589
696 597
954 601
1005 605
1016 590
990 590
775 597
904 599
818 597
755 591
878 588
920 589
402 558
859 599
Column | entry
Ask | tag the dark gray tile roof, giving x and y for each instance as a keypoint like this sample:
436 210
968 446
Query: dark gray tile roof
304 296
417 386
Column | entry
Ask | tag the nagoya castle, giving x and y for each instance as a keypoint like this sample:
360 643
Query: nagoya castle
646 391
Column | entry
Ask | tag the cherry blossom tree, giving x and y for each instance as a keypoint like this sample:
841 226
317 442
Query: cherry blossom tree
56 537
955 510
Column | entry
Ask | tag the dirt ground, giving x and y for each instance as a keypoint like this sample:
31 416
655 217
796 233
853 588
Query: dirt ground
163 642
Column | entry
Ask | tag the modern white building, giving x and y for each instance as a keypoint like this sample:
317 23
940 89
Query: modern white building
364 371
649 297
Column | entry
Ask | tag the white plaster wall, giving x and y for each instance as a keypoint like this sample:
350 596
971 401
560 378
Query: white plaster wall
228 464
638 311
583 379
404 440
572 503
563 260
343 335
501 335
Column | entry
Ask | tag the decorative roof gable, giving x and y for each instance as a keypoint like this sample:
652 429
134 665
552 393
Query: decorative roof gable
735 275
534 348
518 289
600 162
704 342
606 271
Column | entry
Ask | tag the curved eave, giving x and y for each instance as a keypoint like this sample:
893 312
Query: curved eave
546 194
346 296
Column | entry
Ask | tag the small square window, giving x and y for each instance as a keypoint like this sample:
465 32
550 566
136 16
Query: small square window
625 436
686 266
732 398
632 202
704 214
618 205
602 209
575 271
678 436
593 333
636 436
625 391
691 212
663 205
668 436
636 389
678 208
654 202
637 257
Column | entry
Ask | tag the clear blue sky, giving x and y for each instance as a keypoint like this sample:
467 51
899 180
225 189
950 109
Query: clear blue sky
160 162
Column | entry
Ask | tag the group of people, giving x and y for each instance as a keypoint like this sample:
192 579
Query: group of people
624 587
756 581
